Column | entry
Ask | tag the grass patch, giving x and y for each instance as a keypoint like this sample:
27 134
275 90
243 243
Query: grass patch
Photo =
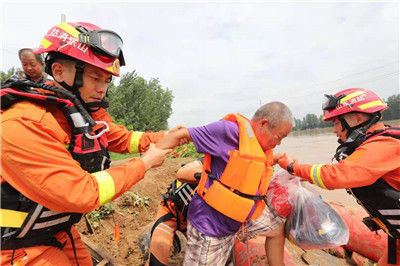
95 217
118 156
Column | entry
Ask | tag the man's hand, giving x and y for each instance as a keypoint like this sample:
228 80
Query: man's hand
284 160
175 137
277 157
154 156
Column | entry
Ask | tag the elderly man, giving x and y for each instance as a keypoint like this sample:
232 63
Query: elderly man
32 66
237 169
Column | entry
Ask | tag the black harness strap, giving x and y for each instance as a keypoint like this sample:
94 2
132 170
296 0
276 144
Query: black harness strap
165 218
73 245
154 261
392 243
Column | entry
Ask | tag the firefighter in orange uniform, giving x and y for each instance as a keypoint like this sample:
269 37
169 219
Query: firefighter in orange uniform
172 213
368 161
55 140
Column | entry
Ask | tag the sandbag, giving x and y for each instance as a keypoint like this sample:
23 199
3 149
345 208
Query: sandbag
362 240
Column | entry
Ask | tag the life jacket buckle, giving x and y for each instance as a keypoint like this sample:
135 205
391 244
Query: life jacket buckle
105 129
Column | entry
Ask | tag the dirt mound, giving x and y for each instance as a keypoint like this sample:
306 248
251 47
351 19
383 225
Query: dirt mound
133 219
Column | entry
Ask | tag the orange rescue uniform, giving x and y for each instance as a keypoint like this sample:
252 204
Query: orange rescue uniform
377 157
35 161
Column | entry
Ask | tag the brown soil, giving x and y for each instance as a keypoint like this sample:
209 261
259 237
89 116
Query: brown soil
132 220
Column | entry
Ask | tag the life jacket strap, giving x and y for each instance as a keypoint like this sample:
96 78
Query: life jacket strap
244 195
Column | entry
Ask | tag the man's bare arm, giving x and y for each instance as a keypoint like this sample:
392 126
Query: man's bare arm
175 138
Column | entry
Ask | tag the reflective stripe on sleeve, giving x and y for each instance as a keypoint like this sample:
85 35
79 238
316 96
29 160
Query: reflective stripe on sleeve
134 145
315 175
11 218
106 186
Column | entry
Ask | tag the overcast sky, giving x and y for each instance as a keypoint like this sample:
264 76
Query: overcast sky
231 57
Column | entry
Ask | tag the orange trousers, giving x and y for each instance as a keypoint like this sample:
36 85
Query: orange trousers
163 234
47 255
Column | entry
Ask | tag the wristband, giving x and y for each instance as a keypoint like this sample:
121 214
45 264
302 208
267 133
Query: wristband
289 168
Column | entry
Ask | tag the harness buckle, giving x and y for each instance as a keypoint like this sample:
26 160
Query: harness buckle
105 129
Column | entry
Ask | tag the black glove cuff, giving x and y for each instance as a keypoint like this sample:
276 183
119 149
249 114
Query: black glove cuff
289 168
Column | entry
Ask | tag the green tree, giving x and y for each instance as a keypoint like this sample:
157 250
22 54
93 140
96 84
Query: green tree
137 103
6 75
310 121
393 112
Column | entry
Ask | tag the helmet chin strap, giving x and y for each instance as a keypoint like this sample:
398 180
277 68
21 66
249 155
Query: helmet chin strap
375 117
355 137
78 83
78 80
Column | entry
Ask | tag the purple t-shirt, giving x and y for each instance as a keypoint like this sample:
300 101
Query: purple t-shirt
216 139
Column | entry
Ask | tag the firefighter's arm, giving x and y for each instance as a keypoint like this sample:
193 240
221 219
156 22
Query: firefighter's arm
35 162
175 137
363 167
186 174
122 140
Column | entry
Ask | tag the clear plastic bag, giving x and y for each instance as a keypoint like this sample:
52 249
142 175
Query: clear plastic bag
281 186
313 224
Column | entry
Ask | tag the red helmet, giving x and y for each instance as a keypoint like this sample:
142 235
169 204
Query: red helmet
87 43
352 100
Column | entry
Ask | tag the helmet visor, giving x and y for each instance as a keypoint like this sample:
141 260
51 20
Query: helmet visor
331 102
104 42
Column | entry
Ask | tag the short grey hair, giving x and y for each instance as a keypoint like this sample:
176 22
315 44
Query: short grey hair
275 112
29 50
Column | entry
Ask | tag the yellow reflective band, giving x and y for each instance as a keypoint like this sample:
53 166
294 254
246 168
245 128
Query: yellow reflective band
11 218
315 175
106 186
134 146
371 104
45 43
178 183
351 95
66 146
69 29
312 174
321 184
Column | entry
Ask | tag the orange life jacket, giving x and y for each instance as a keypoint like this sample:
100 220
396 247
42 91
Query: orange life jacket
245 179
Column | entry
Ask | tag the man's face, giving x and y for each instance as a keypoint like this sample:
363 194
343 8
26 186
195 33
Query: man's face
95 81
338 129
268 137
31 66
352 119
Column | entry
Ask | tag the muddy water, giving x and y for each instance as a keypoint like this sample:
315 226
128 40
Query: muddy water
316 149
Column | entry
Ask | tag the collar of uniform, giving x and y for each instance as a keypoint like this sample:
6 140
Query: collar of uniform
375 127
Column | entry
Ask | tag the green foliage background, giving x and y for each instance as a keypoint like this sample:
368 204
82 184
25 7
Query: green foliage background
137 103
